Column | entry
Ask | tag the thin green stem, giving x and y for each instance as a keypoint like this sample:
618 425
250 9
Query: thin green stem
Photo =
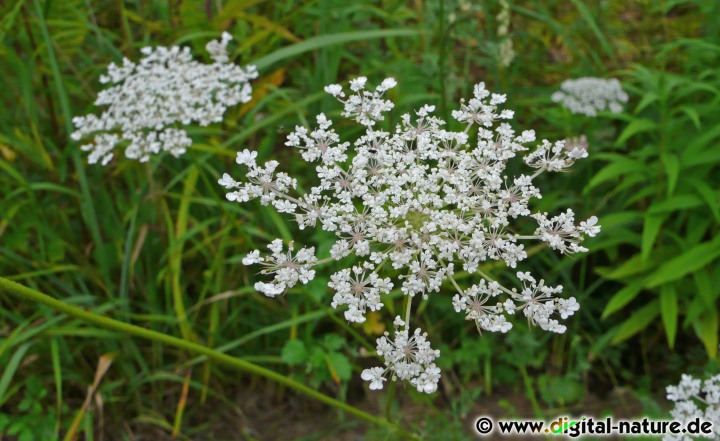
236 363
389 399
408 308
441 60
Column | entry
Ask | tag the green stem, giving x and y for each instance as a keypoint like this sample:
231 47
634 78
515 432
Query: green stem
389 399
441 60
408 307
30 294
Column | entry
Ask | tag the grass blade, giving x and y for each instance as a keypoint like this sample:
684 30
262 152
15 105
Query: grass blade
328 40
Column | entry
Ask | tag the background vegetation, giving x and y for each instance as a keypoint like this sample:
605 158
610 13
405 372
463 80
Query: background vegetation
156 244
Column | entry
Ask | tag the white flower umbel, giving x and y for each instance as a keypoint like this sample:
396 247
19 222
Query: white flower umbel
588 96
150 100
287 269
413 204
693 399
408 357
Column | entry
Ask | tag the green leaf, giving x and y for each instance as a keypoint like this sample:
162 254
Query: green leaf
328 40
672 170
710 197
675 203
669 312
294 352
622 298
613 170
707 329
7 23
647 99
709 157
621 218
340 367
635 127
697 149
637 322
10 368
333 342
686 263
317 288
560 389
692 114
317 356
705 288
631 267
651 228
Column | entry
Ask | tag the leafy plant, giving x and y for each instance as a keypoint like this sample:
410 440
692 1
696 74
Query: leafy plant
662 177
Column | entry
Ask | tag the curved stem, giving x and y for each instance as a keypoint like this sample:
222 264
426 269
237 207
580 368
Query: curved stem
236 363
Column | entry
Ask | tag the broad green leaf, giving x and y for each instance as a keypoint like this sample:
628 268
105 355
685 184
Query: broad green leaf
613 170
637 321
340 367
333 342
294 352
686 263
669 312
707 329
635 127
651 228
622 298
672 170
675 203
632 266
622 218
706 290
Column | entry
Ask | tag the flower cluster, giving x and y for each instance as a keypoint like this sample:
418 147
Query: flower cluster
409 357
693 399
588 96
148 99
288 269
413 204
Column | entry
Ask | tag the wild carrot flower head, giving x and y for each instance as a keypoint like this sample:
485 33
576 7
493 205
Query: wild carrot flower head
588 96
149 101
412 205
695 399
